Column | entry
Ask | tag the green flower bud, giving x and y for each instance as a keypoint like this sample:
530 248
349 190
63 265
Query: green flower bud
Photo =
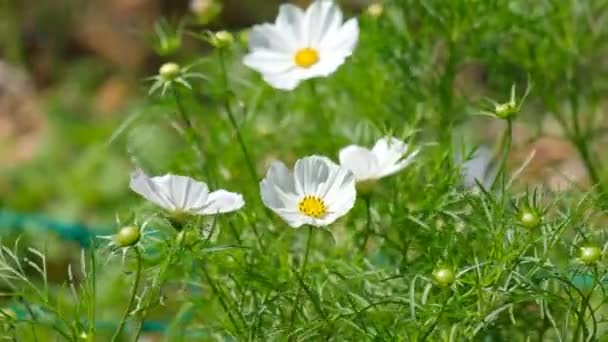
222 39
127 236
530 218
505 110
590 254
375 10
169 71
443 276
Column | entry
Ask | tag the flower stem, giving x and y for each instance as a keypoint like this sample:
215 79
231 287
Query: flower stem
302 272
368 222
325 120
191 135
235 126
506 149
140 325
132 299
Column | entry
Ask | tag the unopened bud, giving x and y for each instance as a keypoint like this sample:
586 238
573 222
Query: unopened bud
169 71
375 10
127 236
222 39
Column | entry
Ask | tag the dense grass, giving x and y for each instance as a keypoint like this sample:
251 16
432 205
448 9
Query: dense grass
373 274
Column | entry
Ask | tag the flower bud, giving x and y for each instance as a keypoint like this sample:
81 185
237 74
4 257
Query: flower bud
590 254
169 71
127 236
530 218
375 10
444 276
505 110
205 11
222 39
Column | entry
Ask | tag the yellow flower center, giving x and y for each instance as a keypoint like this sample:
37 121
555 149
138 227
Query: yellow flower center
307 57
312 206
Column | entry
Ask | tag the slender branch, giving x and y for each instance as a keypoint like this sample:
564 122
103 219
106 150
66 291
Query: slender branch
302 271
231 117
368 222
191 134
506 149
220 297
324 119
132 298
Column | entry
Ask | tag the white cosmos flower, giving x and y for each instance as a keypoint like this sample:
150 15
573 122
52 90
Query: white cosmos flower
317 193
184 195
301 44
389 155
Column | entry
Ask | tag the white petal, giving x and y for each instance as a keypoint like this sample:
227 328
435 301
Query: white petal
343 40
400 165
340 196
327 65
312 172
269 62
360 160
278 188
389 151
146 187
322 17
171 192
285 81
271 37
293 218
187 193
290 21
222 201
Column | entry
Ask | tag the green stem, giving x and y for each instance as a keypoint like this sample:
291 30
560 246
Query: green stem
93 290
506 149
302 272
368 222
34 319
325 120
231 117
580 142
132 299
140 325
220 297
191 135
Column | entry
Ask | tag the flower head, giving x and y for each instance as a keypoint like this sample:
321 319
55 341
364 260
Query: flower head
184 195
317 193
301 45
389 156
